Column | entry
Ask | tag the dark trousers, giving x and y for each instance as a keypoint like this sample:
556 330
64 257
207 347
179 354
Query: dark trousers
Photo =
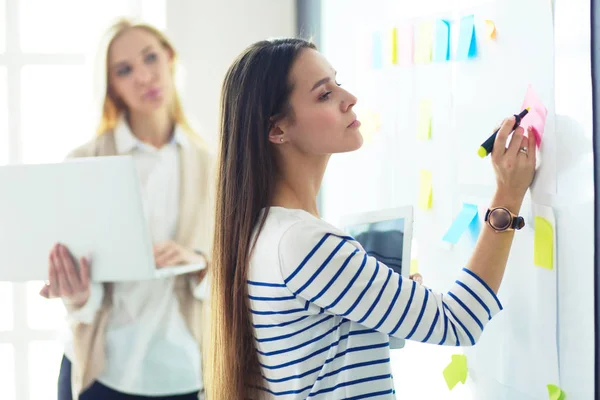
100 392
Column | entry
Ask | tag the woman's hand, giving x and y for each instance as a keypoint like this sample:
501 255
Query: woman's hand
169 253
515 165
417 278
65 279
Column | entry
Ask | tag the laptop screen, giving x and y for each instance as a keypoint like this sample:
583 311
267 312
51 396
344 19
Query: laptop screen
383 240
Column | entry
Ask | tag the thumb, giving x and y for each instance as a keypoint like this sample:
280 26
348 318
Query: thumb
45 292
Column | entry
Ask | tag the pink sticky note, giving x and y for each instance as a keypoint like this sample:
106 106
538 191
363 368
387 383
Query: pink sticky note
405 44
536 118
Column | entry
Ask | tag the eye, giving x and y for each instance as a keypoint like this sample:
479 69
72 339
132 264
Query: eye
325 96
150 58
123 70
339 84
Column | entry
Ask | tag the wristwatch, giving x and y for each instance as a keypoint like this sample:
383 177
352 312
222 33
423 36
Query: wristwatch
501 220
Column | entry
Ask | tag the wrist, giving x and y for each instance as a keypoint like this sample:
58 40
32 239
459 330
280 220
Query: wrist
507 200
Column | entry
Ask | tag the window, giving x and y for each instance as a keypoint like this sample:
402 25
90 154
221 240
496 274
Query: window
3 114
2 23
60 98
7 372
66 26
46 51
6 310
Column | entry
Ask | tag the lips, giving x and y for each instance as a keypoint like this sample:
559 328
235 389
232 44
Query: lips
152 94
354 124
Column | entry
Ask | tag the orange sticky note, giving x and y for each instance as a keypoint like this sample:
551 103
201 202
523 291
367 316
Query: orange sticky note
426 190
490 29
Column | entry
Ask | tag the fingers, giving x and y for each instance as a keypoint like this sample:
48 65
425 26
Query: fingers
53 274
65 289
417 278
531 145
502 137
515 142
84 273
167 257
71 274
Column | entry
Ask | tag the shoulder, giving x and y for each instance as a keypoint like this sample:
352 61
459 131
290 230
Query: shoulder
94 147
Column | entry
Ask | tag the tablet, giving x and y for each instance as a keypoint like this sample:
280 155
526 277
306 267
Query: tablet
387 236
91 205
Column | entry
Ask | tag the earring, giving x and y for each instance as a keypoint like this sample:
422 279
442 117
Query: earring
281 140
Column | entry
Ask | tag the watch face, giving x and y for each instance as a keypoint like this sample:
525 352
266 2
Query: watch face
500 219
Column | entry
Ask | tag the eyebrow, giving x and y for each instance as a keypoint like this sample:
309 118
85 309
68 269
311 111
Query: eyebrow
323 81
119 64
320 82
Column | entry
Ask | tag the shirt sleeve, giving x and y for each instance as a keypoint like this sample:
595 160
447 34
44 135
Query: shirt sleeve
332 271
86 313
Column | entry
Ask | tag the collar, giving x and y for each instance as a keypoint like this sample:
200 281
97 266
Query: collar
126 141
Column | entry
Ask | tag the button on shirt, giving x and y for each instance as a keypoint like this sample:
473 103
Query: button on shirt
149 348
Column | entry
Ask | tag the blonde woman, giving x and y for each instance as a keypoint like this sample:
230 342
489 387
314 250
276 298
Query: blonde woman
137 340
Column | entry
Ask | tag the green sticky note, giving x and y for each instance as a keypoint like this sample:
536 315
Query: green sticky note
556 393
456 371
543 243
424 123
424 45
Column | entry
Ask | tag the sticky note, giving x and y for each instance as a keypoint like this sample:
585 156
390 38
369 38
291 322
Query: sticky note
543 243
536 117
556 393
370 124
467 41
490 29
456 371
414 266
424 122
405 44
394 45
463 221
424 43
426 190
377 51
441 51
475 228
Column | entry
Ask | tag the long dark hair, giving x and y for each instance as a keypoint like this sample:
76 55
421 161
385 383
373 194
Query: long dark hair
255 95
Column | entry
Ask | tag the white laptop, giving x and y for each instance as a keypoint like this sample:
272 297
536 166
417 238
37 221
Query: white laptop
387 236
91 205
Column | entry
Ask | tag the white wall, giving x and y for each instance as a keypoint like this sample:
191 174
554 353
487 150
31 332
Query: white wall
209 35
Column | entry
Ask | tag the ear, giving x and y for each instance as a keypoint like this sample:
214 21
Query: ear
276 135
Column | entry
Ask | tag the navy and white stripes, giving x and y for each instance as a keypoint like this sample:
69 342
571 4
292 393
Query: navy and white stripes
323 310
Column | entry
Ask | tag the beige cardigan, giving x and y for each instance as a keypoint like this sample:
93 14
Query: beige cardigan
194 230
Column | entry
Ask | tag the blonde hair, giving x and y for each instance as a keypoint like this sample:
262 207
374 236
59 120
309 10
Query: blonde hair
112 109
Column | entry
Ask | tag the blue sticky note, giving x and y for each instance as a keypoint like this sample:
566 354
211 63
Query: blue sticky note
441 51
467 41
463 221
377 51
475 228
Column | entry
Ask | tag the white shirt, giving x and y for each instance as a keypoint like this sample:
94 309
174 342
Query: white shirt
149 349
323 311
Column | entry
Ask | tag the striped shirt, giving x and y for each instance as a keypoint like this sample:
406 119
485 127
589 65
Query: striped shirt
323 311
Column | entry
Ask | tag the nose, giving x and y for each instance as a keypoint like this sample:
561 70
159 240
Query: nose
349 101
143 75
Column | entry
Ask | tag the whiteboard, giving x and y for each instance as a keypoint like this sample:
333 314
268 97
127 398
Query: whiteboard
524 348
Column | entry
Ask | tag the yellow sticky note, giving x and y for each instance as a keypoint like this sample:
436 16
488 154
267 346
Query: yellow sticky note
370 125
424 123
490 29
394 45
414 266
556 393
424 42
543 243
456 371
425 192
